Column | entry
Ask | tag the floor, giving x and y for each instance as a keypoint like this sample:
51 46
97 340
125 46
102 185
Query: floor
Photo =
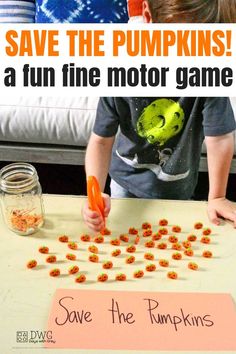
68 179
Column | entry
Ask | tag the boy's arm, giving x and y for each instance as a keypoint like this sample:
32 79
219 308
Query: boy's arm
97 162
98 157
219 155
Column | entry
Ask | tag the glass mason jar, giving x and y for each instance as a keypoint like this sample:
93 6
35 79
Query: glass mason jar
21 198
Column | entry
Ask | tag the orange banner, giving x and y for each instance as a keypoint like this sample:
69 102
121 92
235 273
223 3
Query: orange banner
116 320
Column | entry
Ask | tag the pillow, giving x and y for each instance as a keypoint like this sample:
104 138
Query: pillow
81 11
47 120
16 11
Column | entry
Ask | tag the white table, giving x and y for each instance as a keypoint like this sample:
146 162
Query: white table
26 295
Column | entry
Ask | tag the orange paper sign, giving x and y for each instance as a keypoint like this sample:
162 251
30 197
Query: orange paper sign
115 320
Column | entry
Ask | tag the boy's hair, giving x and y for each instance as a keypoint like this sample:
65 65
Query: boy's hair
195 11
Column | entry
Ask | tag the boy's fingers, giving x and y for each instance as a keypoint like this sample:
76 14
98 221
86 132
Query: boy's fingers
88 213
212 214
234 212
231 216
107 204
95 221
94 224
92 214
95 228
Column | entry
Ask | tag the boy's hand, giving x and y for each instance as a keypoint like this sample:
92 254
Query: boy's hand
93 219
221 207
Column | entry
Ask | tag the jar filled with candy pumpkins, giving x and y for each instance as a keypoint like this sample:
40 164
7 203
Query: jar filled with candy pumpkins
21 198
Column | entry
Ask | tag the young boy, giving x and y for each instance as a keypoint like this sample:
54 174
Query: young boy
157 148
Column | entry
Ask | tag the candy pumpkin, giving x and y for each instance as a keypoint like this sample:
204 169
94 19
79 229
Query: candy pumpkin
163 222
176 228
93 249
115 242
43 249
85 238
51 259
146 225
198 225
162 246
32 264
207 254
54 272
150 267
107 265
133 231
105 231
163 263
147 233
172 275
73 269
173 239
163 231
150 244
205 239
138 274
93 258
120 277
192 238
80 279
157 236
131 249
186 244
176 246
63 238
130 260
193 266
149 256
102 277
206 231
98 239
116 252
72 245
177 256
124 238
71 256
188 252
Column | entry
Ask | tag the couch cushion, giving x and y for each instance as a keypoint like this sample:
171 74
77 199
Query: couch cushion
16 11
81 11
64 121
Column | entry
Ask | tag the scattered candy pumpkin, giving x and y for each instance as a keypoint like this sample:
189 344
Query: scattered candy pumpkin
172 275
55 272
51 259
73 269
32 264
43 249
107 265
71 256
138 274
72 245
151 267
163 222
102 277
63 238
80 278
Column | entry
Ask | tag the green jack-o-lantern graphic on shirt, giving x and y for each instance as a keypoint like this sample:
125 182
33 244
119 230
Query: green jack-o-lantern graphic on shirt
160 121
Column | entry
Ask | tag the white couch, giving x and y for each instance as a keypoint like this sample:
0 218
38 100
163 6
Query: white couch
46 130
52 130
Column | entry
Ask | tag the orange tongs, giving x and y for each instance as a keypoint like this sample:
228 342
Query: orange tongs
95 199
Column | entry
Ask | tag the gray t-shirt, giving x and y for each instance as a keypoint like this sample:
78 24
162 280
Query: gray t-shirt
158 145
